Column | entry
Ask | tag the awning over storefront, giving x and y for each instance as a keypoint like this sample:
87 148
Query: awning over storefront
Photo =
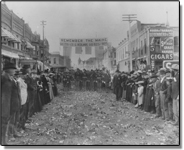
17 39
57 66
9 35
29 61
142 57
28 45
9 54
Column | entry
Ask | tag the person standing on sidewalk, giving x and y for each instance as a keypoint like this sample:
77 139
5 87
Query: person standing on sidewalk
175 93
163 90
117 80
156 87
7 98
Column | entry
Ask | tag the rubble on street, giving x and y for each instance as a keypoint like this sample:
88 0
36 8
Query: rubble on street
95 118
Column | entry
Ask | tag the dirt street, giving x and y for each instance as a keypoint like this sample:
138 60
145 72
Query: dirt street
92 118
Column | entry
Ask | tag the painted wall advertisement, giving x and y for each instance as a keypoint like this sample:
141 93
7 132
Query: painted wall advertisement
161 44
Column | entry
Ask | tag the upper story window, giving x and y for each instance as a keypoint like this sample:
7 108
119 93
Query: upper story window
54 60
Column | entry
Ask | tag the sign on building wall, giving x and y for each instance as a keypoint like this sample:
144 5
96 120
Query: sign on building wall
168 63
83 42
161 44
85 47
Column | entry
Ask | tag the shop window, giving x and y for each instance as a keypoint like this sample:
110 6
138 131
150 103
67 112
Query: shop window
13 45
54 60
18 46
9 43
157 44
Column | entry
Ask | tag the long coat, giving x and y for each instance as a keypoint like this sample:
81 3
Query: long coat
175 87
11 101
6 96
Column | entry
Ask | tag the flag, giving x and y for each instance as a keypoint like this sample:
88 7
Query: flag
78 49
101 47
67 51
99 51
79 61
88 49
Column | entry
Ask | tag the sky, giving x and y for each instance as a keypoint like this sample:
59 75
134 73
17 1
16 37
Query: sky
90 19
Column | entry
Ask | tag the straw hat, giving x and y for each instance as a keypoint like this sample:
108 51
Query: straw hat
140 82
175 67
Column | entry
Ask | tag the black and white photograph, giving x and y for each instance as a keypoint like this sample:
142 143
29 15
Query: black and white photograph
90 73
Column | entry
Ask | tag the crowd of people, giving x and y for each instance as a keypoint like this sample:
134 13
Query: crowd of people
150 91
23 92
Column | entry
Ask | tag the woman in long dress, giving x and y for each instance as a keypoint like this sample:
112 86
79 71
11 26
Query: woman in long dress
140 93
50 82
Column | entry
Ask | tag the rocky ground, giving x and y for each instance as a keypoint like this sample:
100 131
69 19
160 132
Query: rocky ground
95 118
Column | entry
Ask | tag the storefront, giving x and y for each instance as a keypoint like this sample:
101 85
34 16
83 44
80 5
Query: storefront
161 46
8 56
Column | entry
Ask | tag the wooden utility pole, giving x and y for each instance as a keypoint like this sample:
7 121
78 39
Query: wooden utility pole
43 24
130 18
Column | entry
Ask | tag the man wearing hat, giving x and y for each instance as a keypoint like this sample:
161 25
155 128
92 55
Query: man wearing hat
24 96
26 70
175 93
152 80
117 85
129 85
163 90
156 88
10 99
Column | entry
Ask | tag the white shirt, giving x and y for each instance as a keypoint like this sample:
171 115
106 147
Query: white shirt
162 79
23 90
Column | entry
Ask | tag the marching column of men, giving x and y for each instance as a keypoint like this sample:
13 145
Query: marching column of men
23 93
154 92
87 79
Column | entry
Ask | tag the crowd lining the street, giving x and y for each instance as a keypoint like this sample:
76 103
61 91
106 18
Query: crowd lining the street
25 92
151 91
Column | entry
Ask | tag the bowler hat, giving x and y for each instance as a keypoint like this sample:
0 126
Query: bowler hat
132 72
34 71
168 71
46 71
24 71
162 71
26 67
117 70
18 72
175 67
9 65
140 82
154 76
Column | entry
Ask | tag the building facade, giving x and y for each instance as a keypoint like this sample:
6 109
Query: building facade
18 41
113 60
56 60
122 56
107 58
149 43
